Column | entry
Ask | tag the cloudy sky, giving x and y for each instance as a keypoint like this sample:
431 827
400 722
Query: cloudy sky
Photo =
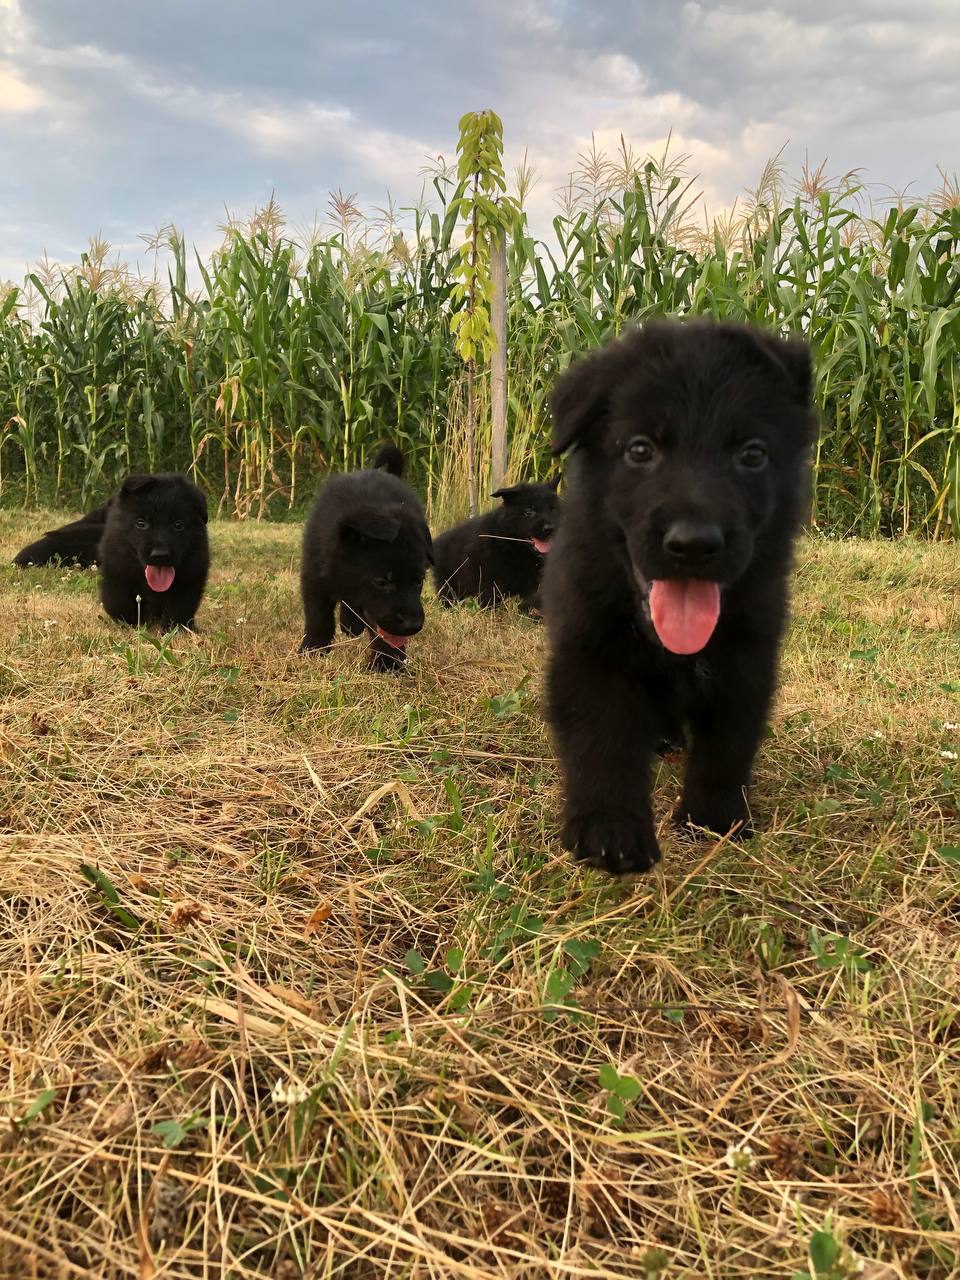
117 116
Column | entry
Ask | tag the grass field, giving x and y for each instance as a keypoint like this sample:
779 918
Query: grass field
331 1001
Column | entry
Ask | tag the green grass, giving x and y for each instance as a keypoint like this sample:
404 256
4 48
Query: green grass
297 980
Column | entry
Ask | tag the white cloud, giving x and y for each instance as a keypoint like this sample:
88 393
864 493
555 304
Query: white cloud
16 94
766 37
142 125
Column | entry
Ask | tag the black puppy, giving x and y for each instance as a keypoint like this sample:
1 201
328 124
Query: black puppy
500 553
666 594
366 546
154 556
75 543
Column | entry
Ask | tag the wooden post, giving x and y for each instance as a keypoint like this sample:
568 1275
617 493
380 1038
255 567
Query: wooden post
498 364
472 363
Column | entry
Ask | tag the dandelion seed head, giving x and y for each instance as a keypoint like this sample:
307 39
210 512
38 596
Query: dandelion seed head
739 1156
289 1093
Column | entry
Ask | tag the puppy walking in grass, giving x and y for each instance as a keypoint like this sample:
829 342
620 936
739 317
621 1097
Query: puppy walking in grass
366 548
666 594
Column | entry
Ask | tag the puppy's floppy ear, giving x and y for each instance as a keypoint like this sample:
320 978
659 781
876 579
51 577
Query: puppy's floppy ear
428 543
137 484
369 524
794 354
579 398
508 493
199 500
788 357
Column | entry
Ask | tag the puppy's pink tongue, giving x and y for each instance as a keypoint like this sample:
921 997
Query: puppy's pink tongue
684 613
398 642
540 545
159 576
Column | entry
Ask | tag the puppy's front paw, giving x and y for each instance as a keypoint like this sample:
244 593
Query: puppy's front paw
614 841
714 810
384 657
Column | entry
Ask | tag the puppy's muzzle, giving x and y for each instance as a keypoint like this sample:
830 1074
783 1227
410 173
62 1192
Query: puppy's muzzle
693 544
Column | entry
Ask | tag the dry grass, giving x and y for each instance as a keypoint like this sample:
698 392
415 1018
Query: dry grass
282 833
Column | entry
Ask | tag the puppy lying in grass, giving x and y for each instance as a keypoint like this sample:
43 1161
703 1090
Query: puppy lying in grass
500 553
666 595
366 548
75 543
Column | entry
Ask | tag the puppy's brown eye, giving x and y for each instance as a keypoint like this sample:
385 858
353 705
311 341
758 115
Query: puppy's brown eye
529 513
381 582
753 456
141 524
178 525
640 452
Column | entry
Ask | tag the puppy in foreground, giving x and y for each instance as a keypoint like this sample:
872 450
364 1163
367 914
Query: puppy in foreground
154 555
666 594
500 553
76 543
366 548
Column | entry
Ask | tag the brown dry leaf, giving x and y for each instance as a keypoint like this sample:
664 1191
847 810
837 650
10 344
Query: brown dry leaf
151 1207
117 1120
318 916
185 914
497 1217
141 884
193 1054
291 997
786 1155
397 788
600 1194
217 1008
785 1054
884 1209
154 1059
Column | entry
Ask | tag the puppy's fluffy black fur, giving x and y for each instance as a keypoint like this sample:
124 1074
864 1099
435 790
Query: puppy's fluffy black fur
155 532
686 488
366 547
500 553
75 543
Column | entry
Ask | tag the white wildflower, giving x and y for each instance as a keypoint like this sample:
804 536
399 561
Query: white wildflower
740 1156
948 755
878 734
950 725
289 1094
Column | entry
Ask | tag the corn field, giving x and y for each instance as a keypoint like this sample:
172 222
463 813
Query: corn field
282 357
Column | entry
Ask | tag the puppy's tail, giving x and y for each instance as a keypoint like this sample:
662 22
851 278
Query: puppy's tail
388 458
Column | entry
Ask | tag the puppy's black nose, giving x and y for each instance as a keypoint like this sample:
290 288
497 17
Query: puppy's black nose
159 552
691 540
406 624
